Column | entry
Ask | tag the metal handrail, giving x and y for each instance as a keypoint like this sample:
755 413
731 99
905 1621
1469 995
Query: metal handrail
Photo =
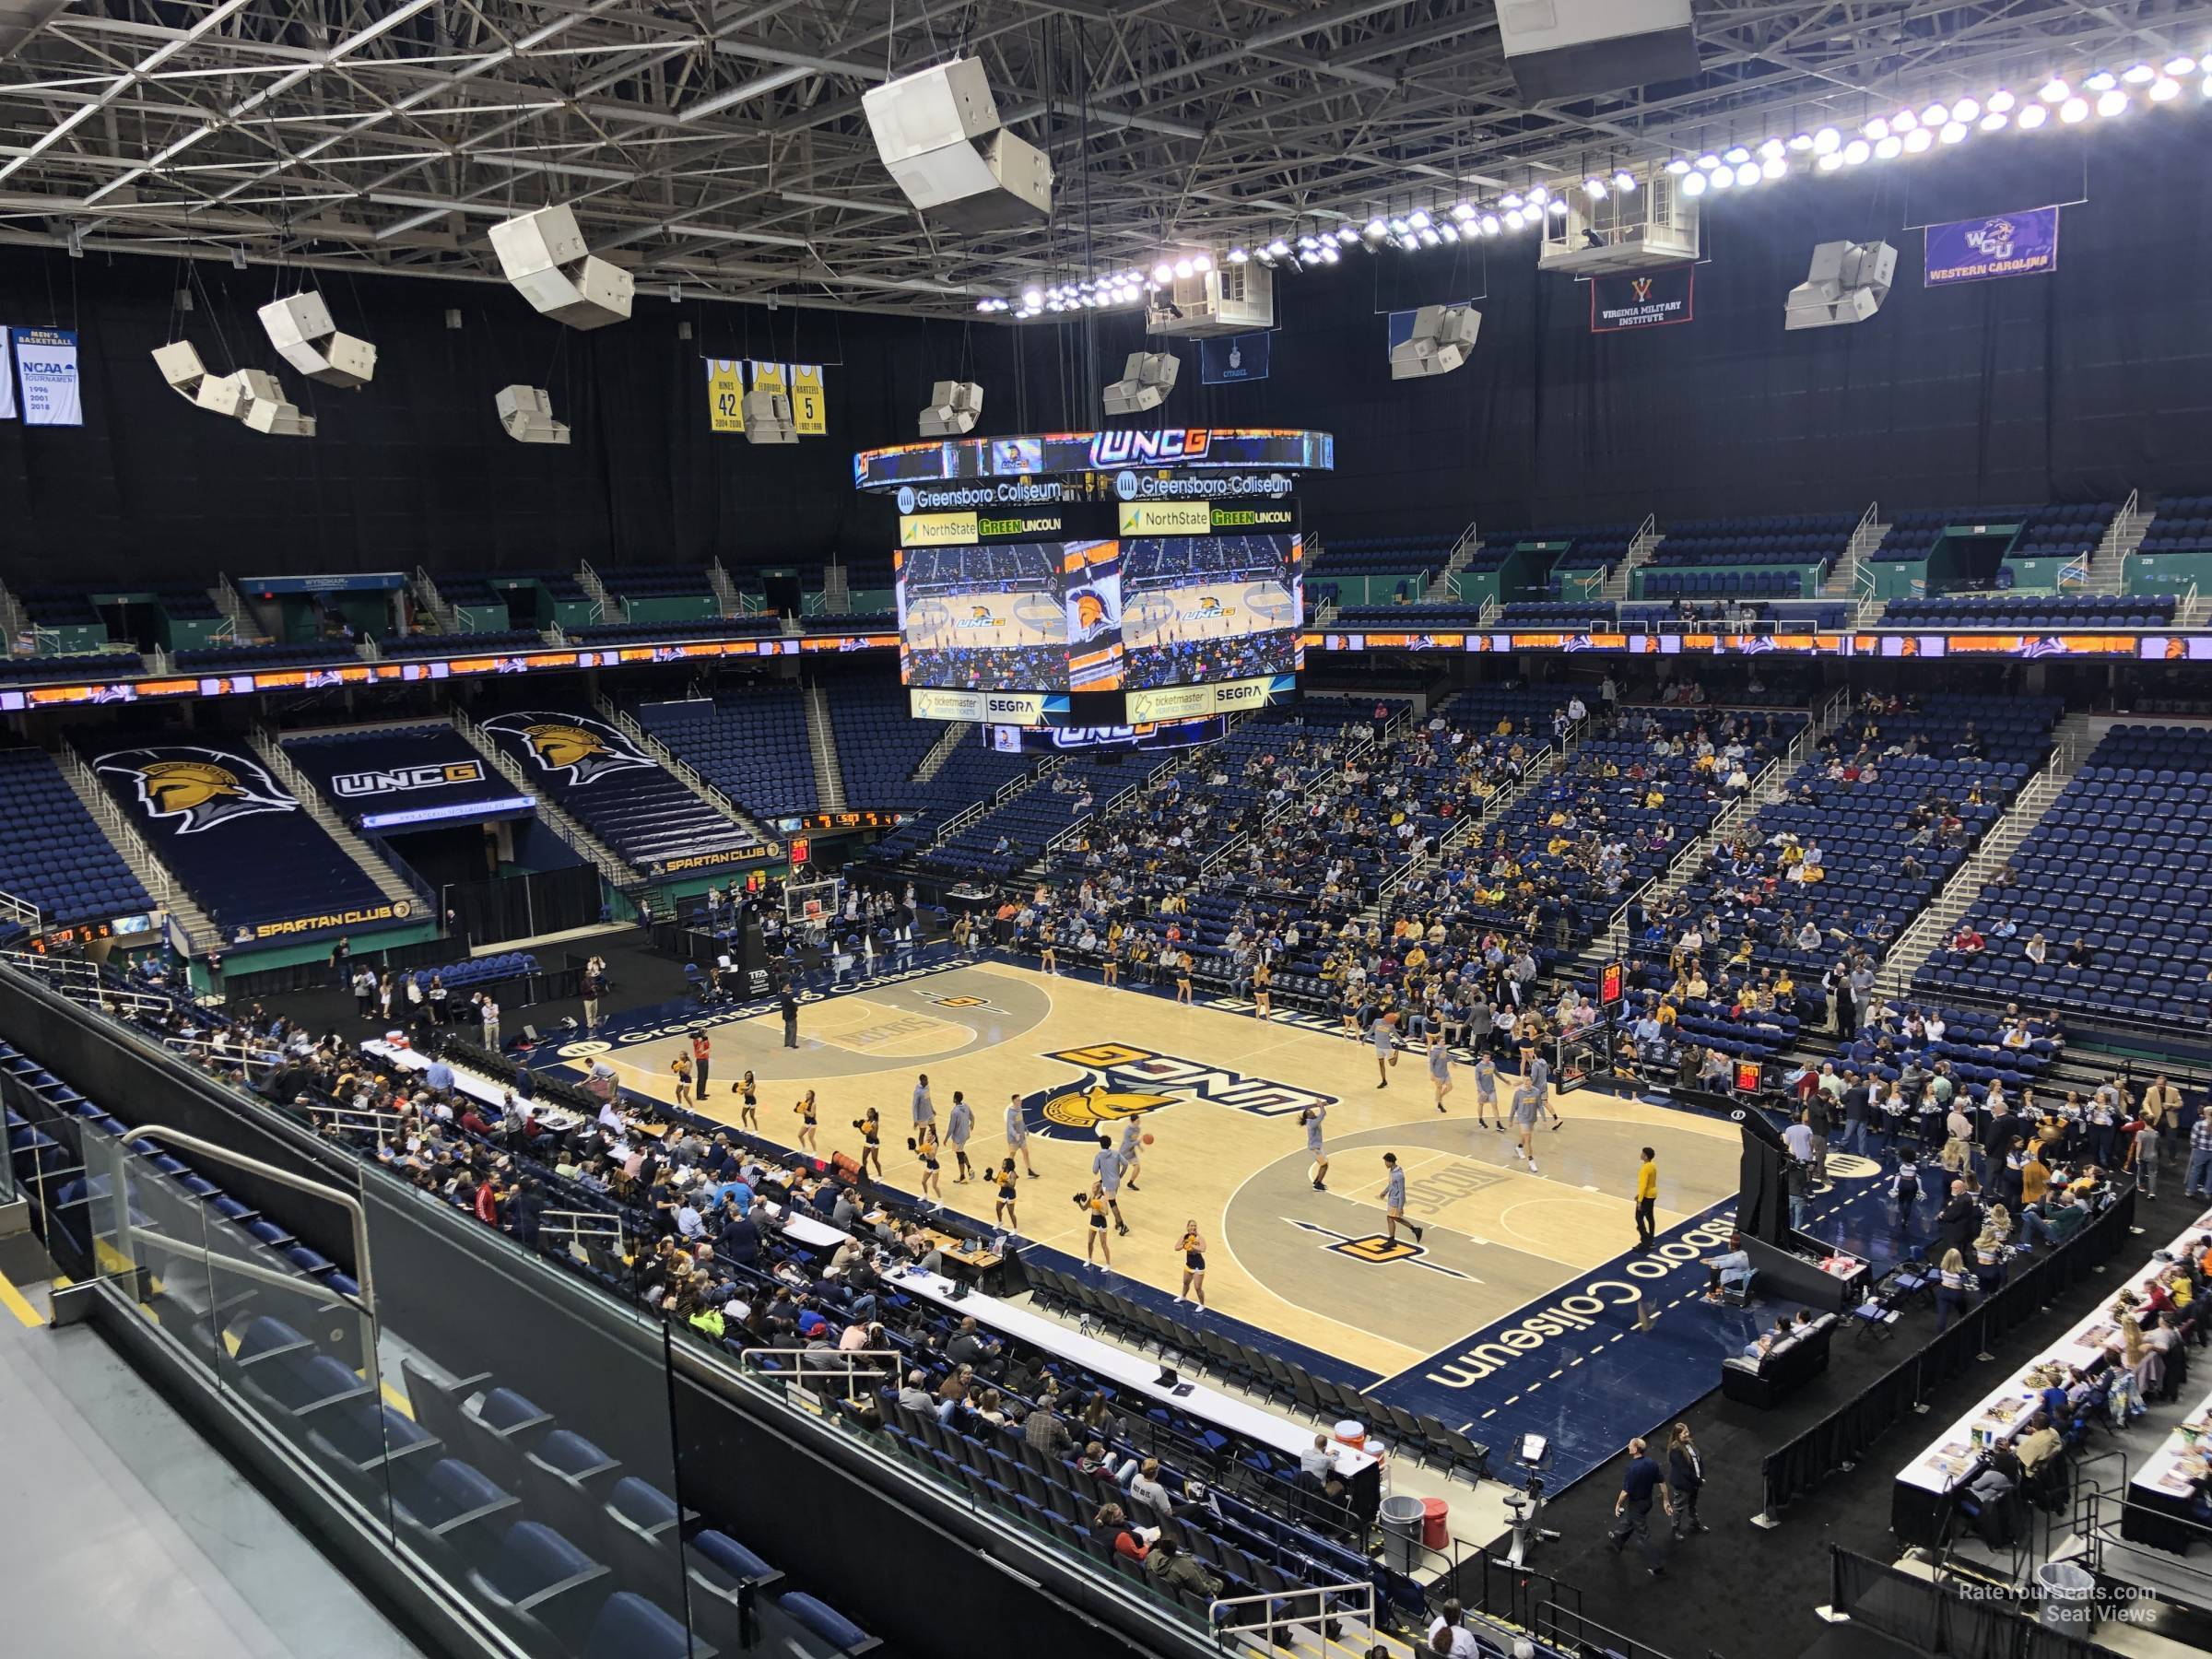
809 1366
1283 1612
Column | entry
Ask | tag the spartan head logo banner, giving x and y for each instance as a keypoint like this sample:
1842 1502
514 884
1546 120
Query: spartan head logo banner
581 750
196 788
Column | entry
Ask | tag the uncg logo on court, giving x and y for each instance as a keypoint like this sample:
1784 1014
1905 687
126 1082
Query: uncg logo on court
1123 1082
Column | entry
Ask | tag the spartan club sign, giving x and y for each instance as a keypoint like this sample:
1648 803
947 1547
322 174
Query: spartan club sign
1641 300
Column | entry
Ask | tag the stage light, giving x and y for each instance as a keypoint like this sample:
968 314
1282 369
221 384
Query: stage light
1826 141
1918 140
1746 173
1557 208
1398 227
1694 185
1266 258
1202 263
1723 177
305 337
1237 256
1934 115
1624 181
1847 284
1857 151
1802 141
954 407
2055 90
1428 236
1308 256
545 260
1440 341
1994 122
1512 218
2104 80
1279 248
2074 109
1509 200
1184 269
2138 74
1877 129
1966 109
1708 163
1329 254
1377 229
1953 131
1463 211
1055 304
2001 103
2033 115
1147 379
1889 149
1448 233
1771 150
2206 88
1418 219
1736 155
2164 88
2180 65
1032 298
1678 166
1774 167
1308 243
1829 162
527 414
1489 224
1595 189
1538 194
2111 103
1904 120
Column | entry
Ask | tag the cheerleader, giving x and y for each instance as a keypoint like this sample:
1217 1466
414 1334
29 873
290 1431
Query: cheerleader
1260 978
748 1114
808 1117
1194 1265
871 1141
681 1067
1007 1180
925 1145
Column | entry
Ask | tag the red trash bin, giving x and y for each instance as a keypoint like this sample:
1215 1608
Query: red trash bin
1433 1535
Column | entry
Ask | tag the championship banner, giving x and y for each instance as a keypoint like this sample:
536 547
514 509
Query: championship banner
725 394
1641 299
7 379
1233 358
46 359
809 404
2009 244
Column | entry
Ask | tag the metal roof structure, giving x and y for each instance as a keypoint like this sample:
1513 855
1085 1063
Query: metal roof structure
720 145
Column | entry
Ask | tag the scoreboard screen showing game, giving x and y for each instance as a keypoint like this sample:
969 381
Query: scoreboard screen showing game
1202 610
1010 616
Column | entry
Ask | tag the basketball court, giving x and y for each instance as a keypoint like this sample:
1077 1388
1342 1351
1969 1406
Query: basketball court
985 621
1206 611
1220 1091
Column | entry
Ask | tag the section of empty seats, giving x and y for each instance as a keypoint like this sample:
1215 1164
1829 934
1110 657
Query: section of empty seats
1780 558
1416 617
618 792
750 744
708 628
2015 613
1870 830
974 772
460 644
1546 615
879 748
49 606
222 659
90 667
54 854
2184 524
2106 908
184 600
247 850
1734 612
629 583
1591 549
396 775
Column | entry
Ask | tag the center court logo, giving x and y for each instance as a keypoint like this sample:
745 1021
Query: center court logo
1122 1081
581 748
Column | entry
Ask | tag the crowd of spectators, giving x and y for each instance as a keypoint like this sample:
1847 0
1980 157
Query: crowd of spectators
1152 663
989 667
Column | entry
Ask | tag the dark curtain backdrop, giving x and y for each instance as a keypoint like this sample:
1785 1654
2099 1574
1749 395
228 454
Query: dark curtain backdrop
2076 386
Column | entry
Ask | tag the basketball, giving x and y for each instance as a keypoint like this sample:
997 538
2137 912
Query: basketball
1148 1140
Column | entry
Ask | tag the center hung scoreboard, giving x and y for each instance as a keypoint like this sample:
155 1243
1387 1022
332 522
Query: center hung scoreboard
1116 579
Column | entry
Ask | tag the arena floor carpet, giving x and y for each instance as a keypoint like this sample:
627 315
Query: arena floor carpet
1526 1307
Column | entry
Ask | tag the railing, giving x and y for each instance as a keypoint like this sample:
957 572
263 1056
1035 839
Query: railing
603 603
1489 613
22 911
941 751
2117 547
685 772
151 872
1279 1618
726 597
857 1368
618 874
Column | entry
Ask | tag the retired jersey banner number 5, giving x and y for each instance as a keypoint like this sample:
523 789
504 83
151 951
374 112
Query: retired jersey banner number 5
1641 299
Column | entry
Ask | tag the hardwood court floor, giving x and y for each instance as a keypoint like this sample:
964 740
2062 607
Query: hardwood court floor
1220 1091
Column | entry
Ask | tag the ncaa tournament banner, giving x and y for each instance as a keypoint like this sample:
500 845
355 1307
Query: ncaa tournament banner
1642 298
7 378
2007 244
1227 358
46 361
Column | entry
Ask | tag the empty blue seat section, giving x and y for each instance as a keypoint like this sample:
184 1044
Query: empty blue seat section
89 666
702 627
397 769
460 644
750 744
879 748
2184 524
54 854
2116 880
2026 613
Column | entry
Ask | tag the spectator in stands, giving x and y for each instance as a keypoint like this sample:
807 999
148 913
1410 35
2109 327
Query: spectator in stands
1168 1565
1112 1524
1043 1430
1731 1270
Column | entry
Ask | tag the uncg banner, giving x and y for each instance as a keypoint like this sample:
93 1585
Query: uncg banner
1642 298
1229 359
2006 244
46 359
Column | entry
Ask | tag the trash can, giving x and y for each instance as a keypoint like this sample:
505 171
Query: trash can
2070 1597
1402 1519
1433 1532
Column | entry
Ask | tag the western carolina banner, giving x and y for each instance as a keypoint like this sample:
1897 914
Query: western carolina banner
2009 244
46 359
725 394
1641 299
7 379
1233 358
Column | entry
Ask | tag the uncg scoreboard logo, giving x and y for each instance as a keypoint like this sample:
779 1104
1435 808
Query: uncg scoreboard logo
1124 447
1122 1081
